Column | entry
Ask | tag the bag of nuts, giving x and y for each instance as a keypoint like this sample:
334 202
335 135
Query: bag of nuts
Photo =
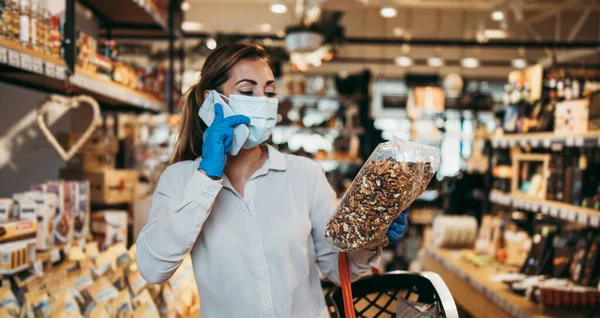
395 174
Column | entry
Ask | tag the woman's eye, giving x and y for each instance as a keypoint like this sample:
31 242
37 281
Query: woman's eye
271 94
247 92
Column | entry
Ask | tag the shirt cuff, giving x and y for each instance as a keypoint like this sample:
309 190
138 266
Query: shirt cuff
365 257
201 188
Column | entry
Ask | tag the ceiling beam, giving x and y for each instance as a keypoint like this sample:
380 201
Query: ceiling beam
565 57
474 5
577 27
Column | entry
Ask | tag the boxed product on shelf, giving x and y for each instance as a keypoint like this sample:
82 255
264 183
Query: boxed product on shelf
571 116
6 209
45 207
109 186
81 209
109 227
63 216
16 229
16 255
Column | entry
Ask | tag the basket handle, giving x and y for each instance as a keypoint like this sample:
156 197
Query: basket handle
344 272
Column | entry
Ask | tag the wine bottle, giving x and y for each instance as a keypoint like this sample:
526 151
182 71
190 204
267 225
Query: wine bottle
578 170
560 176
568 175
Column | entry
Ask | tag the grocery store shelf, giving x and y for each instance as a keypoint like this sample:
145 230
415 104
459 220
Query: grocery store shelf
554 209
133 15
547 140
26 67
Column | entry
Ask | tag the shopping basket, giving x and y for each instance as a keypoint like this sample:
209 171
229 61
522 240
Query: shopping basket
375 296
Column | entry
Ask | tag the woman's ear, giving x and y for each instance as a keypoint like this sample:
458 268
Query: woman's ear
206 92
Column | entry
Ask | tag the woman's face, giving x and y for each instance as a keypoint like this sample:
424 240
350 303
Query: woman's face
251 78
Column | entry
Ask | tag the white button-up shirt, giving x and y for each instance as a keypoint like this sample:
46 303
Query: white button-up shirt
253 256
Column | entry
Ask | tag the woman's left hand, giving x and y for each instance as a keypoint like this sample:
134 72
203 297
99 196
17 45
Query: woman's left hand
397 228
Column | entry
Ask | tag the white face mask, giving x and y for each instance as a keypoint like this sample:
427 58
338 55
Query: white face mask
262 112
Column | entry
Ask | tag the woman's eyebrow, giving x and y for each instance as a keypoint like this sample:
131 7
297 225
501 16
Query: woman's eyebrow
270 82
247 80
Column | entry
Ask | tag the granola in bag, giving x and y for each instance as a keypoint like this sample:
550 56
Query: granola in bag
395 174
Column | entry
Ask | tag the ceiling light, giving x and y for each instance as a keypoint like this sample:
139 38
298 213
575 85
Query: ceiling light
470 62
211 44
265 27
518 63
398 31
280 34
185 6
278 8
191 26
435 61
497 15
388 12
403 61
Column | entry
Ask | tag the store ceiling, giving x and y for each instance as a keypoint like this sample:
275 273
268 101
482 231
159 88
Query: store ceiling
544 20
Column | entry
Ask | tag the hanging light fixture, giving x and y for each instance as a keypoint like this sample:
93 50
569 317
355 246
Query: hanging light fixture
518 63
278 7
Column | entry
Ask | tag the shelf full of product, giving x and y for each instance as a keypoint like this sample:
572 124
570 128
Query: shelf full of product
32 54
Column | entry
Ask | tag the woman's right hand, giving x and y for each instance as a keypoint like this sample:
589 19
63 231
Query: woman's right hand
217 142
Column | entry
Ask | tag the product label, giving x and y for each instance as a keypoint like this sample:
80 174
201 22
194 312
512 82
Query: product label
24 36
3 55
26 62
38 66
60 72
14 59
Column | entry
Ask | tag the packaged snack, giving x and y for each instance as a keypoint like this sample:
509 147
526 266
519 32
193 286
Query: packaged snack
6 209
395 174
109 227
81 209
36 304
17 255
45 207
143 298
146 310
91 250
102 290
63 216
122 307
65 305
136 282
97 310
8 301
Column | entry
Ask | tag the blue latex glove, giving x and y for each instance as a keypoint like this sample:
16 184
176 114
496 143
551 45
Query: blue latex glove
397 228
217 142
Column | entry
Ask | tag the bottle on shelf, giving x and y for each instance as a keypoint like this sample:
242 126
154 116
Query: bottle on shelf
568 89
45 18
576 88
55 37
560 87
25 24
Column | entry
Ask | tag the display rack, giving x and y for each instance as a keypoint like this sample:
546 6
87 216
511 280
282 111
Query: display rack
547 140
559 210
474 291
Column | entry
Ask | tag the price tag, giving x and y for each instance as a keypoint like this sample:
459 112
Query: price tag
51 70
60 72
582 218
572 216
512 143
579 142
38 66
38 268
594 221
523 143
534 207
26 62
13 59
545 209
547 143
570 142
54 255
503 143
494 143
535 143
557 147
553 211
564 214
3 55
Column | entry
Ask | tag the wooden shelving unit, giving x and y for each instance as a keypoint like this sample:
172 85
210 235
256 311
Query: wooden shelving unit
547 140
554 209
30 68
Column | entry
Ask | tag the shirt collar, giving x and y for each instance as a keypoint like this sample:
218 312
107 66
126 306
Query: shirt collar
276 159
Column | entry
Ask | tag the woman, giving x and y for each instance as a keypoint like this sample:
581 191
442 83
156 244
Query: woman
253 222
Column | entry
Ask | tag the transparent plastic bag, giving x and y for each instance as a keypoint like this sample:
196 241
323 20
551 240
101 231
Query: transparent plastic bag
395 174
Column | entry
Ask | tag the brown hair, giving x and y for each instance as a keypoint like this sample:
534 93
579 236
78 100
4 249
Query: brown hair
215 72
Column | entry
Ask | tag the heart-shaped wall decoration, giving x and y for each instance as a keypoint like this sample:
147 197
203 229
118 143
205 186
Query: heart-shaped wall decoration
72 102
